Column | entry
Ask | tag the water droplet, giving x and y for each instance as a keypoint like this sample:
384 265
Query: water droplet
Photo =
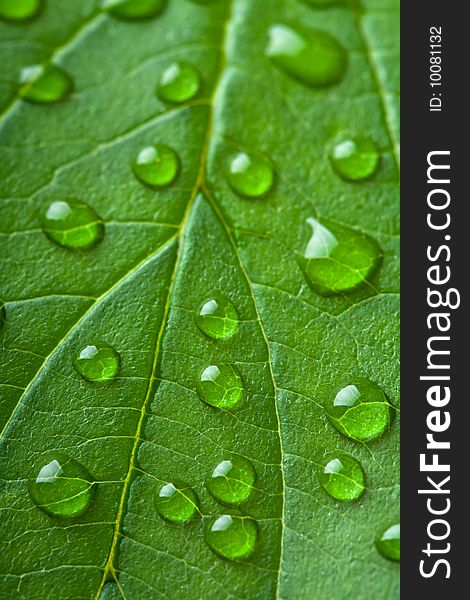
232 480
342 477
231 536
360 410
2 313
220 386
45 84
19 10
337 259
97 362
250 175
62 488
314 58
72 224
175 501
217 318
178 83
156 166
134 9
355 159
388 543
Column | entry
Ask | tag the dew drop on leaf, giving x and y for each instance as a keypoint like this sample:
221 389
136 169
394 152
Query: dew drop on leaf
156 166
44 84
178 83
97 362
134 9
175 501
315 58
388 543
217 318
249 175
231 482
342 477
19 10
360 410
2 314
72 224
220 386
355 159
232 536
338 259
62 487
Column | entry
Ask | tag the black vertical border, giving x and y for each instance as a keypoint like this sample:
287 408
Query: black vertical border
424 131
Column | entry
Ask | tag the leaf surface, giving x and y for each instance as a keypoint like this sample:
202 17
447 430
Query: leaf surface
163 254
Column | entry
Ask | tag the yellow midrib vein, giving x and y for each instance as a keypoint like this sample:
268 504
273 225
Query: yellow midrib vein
85 314
110 566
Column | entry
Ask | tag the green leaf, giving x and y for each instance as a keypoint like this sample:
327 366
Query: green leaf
164 253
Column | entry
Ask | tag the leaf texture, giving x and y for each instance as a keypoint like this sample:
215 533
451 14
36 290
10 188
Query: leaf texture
162 255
